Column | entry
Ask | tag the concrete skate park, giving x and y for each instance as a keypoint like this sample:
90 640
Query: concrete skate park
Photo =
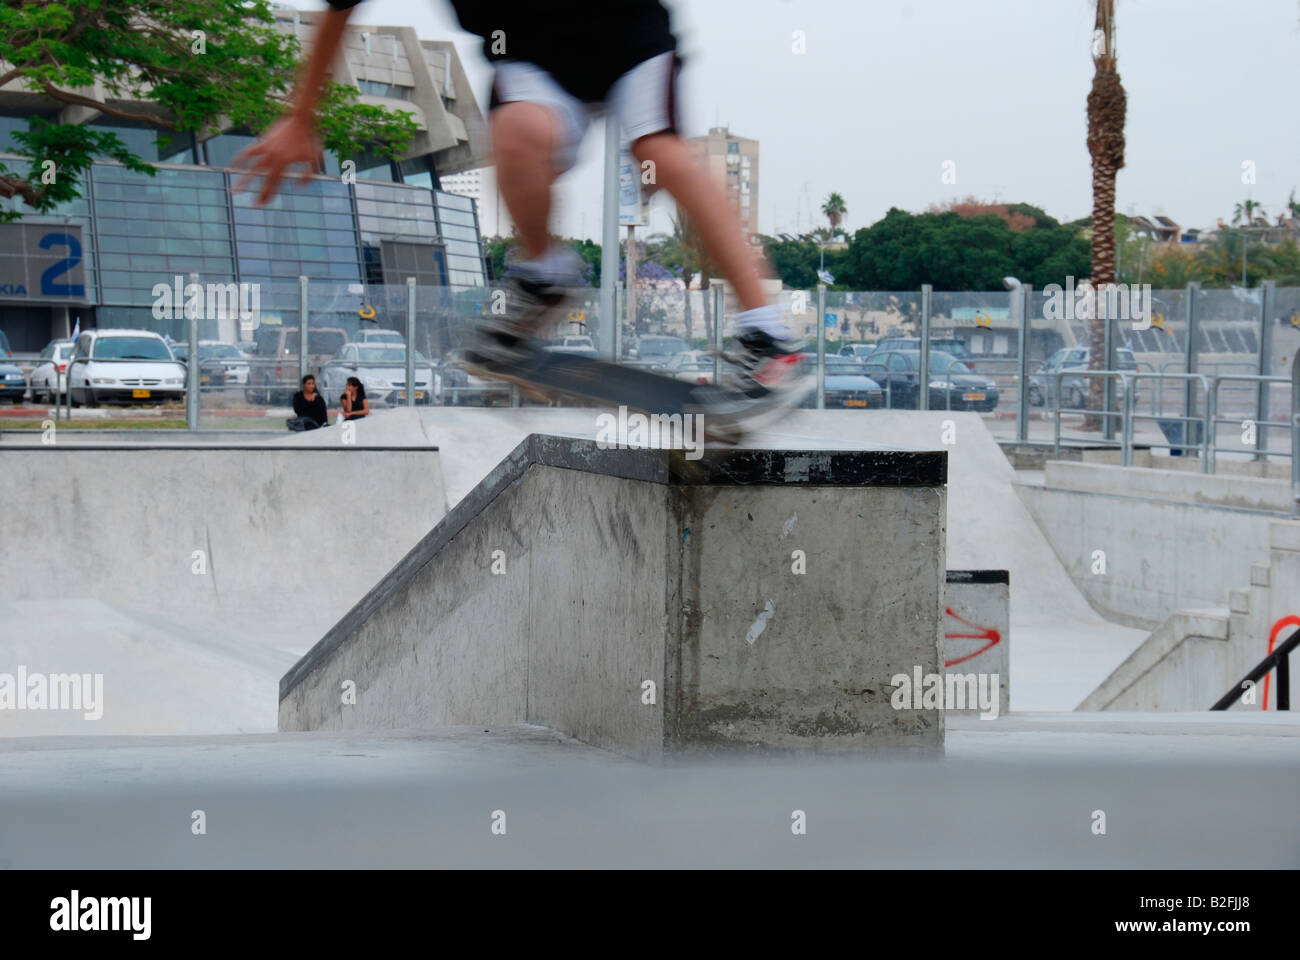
467 611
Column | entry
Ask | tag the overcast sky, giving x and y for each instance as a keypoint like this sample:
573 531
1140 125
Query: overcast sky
891 89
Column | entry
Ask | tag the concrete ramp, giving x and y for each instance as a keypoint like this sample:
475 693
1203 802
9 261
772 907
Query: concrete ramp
191 576
644 602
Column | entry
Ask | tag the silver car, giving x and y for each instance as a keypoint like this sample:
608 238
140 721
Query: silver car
381 368
50 375
214 354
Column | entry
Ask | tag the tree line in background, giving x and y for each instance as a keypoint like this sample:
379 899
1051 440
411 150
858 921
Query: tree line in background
966 245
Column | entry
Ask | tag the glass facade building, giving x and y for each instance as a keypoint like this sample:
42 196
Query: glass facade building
142 230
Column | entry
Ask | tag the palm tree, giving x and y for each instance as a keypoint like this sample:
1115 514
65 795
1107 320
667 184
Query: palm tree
1107 107
1247 210
693 258
834 209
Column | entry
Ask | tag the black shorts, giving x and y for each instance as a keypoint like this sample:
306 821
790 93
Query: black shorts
585 45
572 54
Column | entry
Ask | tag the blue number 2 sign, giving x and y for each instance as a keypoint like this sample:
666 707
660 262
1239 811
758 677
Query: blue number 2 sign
48 287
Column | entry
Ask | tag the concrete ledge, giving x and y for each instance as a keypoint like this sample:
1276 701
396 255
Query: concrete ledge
1173 486
1137 684
647 603
977 637
1284 535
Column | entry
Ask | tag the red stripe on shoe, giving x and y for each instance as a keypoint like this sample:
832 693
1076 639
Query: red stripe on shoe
776 368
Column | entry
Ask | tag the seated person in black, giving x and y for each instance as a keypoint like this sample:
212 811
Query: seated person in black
354 402
309 406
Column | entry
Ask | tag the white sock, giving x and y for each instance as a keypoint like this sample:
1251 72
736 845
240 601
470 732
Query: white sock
768 319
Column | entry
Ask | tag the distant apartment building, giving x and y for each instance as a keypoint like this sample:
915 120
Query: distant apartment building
733 162
466 184
480 185
396 220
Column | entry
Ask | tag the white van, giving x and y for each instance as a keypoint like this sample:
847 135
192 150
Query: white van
124 366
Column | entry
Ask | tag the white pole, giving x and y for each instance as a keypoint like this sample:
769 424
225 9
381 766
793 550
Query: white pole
631 275
609 238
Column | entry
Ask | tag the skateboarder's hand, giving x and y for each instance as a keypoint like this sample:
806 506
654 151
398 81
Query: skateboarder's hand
290 140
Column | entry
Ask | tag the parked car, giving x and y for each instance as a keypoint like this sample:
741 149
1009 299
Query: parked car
210 375
846 385
857 351
693 366
123 366
580 344
459 387
659 348
273 372
223 359
1042 385
13 385
952 346
381 367
50 375
380 336
952 385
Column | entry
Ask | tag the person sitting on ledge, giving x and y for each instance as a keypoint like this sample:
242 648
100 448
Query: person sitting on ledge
308 407
354 402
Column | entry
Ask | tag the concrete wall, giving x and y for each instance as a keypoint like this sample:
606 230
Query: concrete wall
628 567
290 536
1171 539
1196 656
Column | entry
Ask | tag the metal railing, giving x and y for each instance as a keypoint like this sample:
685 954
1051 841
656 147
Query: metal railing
1279 658
1212 418
1131 416
1060 376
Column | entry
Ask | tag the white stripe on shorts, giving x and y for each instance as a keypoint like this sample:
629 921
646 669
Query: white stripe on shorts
642 98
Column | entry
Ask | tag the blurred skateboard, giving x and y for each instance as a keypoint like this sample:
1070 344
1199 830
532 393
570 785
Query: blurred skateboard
551 374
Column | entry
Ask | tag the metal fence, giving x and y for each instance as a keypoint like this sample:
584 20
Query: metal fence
1018 341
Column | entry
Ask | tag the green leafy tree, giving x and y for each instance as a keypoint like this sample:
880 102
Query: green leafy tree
1218 263
794 259
589 251
179 67
955 252
1282 263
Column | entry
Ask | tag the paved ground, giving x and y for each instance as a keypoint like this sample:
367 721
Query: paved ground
1184 791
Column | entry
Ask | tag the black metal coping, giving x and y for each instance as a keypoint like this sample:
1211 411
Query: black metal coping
720 466
260 448
979 576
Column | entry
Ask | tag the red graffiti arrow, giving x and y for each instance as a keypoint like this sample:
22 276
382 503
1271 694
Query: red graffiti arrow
984 633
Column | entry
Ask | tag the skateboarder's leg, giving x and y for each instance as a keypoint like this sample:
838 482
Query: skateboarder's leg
536 129
523 142
537 126
645 98
706 205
